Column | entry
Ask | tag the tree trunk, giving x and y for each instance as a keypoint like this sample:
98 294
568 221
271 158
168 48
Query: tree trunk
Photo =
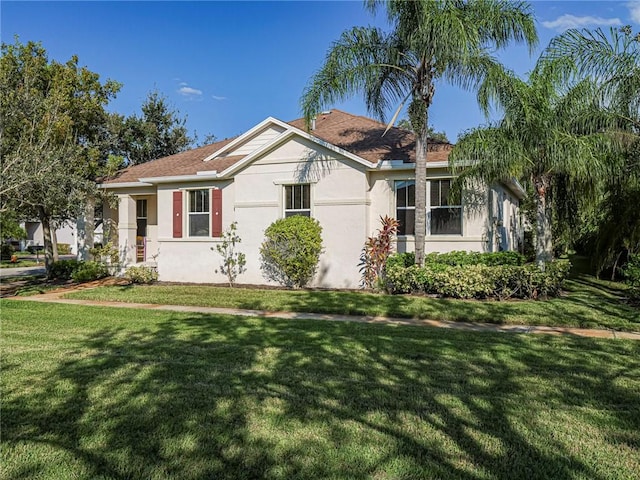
54 243
544 241
46 234
85 228
421 192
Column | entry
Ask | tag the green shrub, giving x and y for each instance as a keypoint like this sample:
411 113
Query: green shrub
6 250
631 274
141 274
64 249
291 250
63 269
88 271
476 281
475 258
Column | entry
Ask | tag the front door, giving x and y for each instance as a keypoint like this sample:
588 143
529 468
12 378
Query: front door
141 234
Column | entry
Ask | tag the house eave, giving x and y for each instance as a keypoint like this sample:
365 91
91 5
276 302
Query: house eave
124 185
515 187
198 177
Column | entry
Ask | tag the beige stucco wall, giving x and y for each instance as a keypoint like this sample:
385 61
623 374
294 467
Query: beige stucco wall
475 220
254 198
338 201
346 199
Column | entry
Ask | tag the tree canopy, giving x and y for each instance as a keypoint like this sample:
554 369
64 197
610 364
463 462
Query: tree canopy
550 136
52 119
428 40
158 132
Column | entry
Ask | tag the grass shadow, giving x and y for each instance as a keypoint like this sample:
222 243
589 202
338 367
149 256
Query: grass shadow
138 394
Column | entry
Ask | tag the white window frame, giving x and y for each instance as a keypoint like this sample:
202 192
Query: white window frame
207 212
295 211
430 208
406 207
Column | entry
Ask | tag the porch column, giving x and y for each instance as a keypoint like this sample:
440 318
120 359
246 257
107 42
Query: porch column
127 228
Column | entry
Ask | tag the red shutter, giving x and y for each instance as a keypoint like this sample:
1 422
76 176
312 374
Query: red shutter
177 214
216 212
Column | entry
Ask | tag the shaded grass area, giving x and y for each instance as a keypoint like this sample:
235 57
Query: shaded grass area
124 393
27 285
587 302
21 263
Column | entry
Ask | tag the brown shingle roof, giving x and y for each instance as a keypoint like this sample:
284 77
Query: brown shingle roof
362 136
184 163
359 135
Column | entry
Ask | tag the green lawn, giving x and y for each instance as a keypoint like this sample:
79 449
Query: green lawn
123 393
587 302
21 263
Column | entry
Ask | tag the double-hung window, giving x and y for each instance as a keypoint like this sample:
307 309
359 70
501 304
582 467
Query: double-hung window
141 217
406 206
199 211
297 200
445 212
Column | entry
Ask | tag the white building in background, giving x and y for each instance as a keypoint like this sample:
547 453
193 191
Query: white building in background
343 173
67 234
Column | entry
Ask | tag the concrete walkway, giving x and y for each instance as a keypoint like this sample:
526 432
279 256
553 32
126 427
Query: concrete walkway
56 297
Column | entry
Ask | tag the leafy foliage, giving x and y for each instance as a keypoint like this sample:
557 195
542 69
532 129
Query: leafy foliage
440 137
376 250
549 137
291 250
158 132
632 275
233 262
52 127
492 279
89 271
6 250
609 229
141 274
63 269
446 40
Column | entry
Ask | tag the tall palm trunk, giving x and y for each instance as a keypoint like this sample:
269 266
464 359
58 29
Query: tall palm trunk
421 193
544 243
46 234
419 116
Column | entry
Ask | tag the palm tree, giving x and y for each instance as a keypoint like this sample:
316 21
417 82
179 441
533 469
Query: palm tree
549 137
429 41
612 60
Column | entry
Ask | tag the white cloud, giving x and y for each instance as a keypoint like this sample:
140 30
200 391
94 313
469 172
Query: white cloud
183 84
189 92
216 97
571 21
634 11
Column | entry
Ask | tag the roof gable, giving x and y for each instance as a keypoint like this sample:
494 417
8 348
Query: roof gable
351 136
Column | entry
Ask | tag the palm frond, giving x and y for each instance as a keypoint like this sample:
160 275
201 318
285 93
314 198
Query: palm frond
362 60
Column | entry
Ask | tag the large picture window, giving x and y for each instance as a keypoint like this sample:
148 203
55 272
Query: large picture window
199 209
406 206
445 212
297 200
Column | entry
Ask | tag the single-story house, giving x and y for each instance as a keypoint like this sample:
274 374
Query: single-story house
66 233
342 172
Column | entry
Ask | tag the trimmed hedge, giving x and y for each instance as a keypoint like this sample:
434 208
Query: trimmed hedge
479 280
78 271
464 258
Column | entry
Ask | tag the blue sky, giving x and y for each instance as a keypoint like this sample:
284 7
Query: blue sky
228 65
